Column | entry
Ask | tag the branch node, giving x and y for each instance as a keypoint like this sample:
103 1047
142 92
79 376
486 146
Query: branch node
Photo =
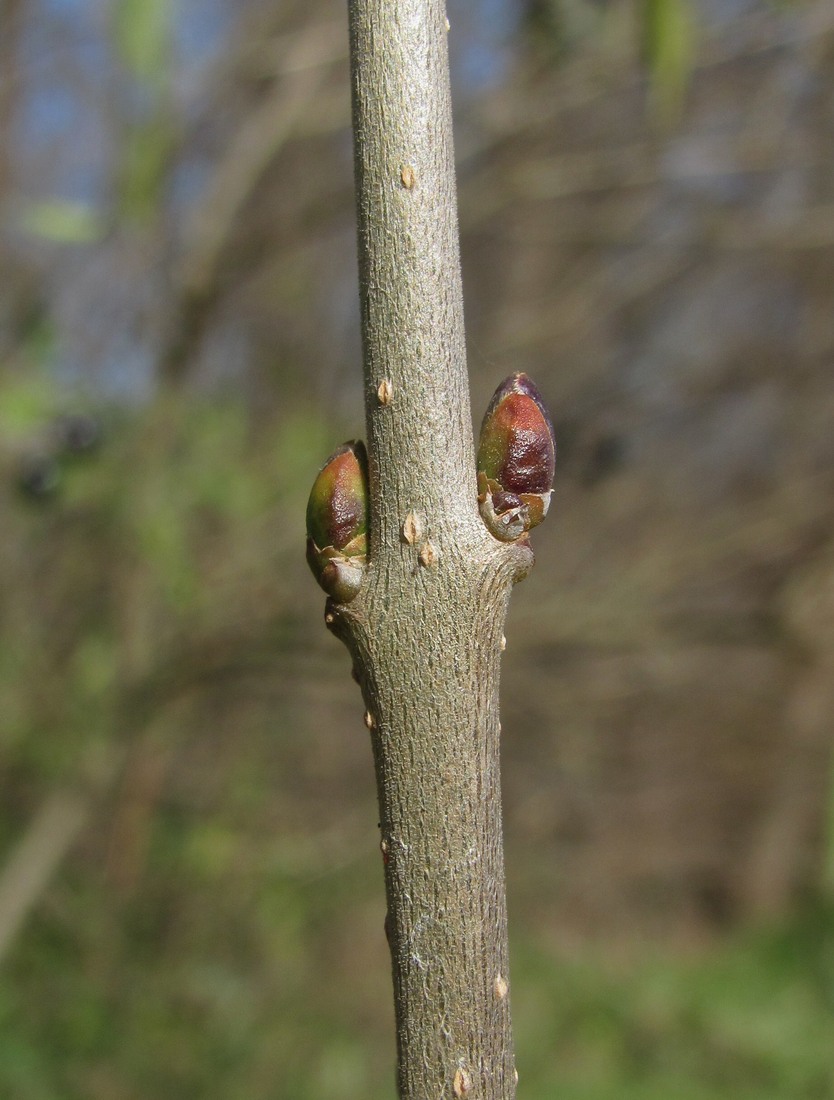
335 615
385 392
412 529
462 1084
408 177
428 555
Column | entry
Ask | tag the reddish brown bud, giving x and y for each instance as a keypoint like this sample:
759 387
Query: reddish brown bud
516 459
337 522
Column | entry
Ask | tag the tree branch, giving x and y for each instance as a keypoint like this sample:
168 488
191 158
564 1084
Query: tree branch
426 628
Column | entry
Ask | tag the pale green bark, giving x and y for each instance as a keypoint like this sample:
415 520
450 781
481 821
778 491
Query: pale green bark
426 629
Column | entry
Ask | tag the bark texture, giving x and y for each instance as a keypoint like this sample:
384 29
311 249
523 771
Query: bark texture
426 629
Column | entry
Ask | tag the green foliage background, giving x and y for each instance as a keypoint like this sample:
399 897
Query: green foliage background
211 926
219 931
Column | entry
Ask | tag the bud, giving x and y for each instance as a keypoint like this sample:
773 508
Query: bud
337 522
516 458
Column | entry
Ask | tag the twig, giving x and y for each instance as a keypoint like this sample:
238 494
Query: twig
36 858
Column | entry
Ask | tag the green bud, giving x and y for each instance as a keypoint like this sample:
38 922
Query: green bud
516 460
337 522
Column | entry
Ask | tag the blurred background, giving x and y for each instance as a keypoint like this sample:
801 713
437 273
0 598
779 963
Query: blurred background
191 898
